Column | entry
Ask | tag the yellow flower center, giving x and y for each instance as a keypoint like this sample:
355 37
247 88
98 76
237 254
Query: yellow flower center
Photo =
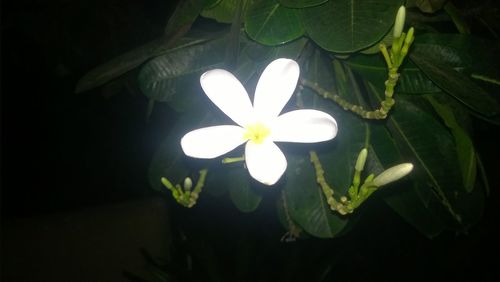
256 133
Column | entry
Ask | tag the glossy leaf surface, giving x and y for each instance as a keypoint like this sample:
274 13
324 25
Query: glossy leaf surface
243 195
440 69
271 23
301 3
223 11
158 78
348 26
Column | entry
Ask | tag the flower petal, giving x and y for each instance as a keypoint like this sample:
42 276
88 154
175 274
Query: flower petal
304 126
275 87
211 142
266 163
227 93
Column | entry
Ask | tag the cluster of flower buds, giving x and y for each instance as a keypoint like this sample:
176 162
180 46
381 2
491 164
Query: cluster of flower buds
185 195
402 41
357 193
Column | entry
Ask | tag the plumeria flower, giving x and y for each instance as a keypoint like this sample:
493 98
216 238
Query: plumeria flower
259 125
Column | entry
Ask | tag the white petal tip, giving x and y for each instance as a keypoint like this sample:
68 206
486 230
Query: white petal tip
271 178
265 162
304 126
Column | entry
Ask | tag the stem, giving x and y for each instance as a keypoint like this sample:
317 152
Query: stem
385 53
327 190
485 78
359 110
201 181
233 160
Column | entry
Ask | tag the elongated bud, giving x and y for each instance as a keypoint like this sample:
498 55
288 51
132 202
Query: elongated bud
360 162
409 36
188 183
399 24
392 174
167 183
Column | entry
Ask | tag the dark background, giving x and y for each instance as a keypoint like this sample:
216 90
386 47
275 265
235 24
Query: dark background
63 152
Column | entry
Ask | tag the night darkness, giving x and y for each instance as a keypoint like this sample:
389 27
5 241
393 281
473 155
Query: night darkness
75 196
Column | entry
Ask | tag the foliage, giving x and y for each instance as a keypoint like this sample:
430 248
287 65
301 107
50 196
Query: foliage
440 87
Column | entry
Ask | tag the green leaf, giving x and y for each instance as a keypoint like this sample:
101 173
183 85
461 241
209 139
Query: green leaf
453 82
117 66
407 203
346 26
232 51
433 151
429 143
212 3
373 68
301 3
382 153
471 205
465 149
240 190
270 23
467 54
430 146
450 48
290 50
426 6
281 212
222 12
403 198
134 58
374 49
159 78
215 184
178 25
183 17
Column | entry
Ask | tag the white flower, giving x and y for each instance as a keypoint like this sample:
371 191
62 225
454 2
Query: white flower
260 125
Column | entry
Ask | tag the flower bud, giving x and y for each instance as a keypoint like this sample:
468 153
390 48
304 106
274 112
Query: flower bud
392 174
409 36
400 22
360 162
167 183
188 183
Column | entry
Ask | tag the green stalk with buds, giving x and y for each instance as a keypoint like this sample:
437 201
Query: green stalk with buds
394 58
185 195
357 192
